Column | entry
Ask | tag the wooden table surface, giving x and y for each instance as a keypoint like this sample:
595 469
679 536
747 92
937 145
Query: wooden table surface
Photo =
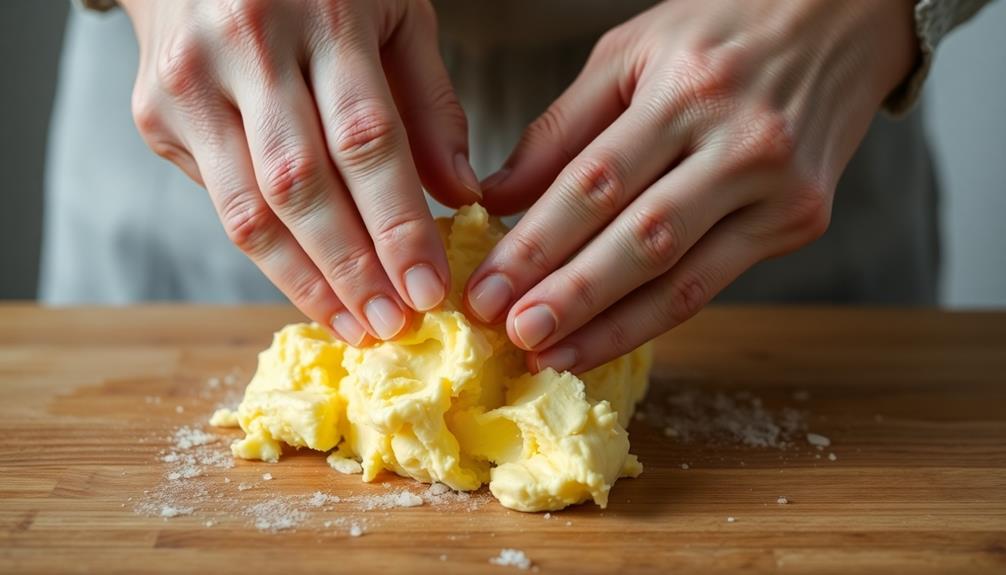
914 403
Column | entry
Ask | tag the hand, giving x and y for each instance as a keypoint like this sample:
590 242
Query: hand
699 139
297 116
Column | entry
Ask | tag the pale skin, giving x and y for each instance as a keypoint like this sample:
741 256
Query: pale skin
700 138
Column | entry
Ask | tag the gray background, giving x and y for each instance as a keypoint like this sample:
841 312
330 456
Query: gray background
966 117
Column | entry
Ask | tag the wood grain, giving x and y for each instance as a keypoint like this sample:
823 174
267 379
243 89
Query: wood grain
913 401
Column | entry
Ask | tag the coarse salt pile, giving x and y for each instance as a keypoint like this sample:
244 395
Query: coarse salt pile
512 558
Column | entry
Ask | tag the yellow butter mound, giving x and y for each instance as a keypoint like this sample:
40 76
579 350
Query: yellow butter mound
449 401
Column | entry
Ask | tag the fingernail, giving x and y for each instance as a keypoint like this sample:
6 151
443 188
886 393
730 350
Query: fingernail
495 179
348 328
535 324
424 286
559 358
466 174
384 316
490 297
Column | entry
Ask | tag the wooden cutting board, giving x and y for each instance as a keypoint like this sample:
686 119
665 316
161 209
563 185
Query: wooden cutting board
913 402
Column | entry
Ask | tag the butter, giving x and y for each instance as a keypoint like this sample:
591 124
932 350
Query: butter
449 402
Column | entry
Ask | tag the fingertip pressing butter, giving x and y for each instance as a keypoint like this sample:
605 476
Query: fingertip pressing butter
449 401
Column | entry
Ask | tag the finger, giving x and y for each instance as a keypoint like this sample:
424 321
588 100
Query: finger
596 186
222 153
366 139
726 252
301 186
592 102
434 121
642 243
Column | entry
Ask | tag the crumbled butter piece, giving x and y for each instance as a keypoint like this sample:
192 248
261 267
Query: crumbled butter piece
449 401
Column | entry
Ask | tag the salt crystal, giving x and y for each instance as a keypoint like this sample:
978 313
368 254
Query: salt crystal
267 477
355 530
670 432
244 487
569 524
209 524
179 409
443 557
731 519
168 511
782 501
832 457
512 558
213 382
684 466
548 516
818 440
438 489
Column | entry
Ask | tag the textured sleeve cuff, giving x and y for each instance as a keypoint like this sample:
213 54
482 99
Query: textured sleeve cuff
96 5
934 19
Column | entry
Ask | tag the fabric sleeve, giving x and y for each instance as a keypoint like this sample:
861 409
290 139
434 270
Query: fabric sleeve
934 19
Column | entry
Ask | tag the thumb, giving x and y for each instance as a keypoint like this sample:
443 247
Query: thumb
591 103
430 110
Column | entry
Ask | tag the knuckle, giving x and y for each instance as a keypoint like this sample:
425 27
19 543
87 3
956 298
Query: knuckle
709 74
548 129
810 211
684 299
367 134
178 68
527 248
584 289
350 263
307 289
248 222
291 180
595 187
654 239
617 334
147 114
400 230
614 41
766 139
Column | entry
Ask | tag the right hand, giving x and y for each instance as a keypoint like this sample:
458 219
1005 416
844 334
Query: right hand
297 116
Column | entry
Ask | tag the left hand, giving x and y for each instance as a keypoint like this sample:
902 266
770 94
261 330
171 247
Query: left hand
700 138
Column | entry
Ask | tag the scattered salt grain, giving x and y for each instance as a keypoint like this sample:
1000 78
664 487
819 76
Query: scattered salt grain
696 415
391 500
244 487
832 457
355 530
438 489
209 524
818 440
267 477
443 557
179 409
731 519
782 501
276 514
548 516
512 558
319 499
168 511
213 382
684 466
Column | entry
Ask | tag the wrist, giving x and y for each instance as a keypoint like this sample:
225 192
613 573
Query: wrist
895 44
